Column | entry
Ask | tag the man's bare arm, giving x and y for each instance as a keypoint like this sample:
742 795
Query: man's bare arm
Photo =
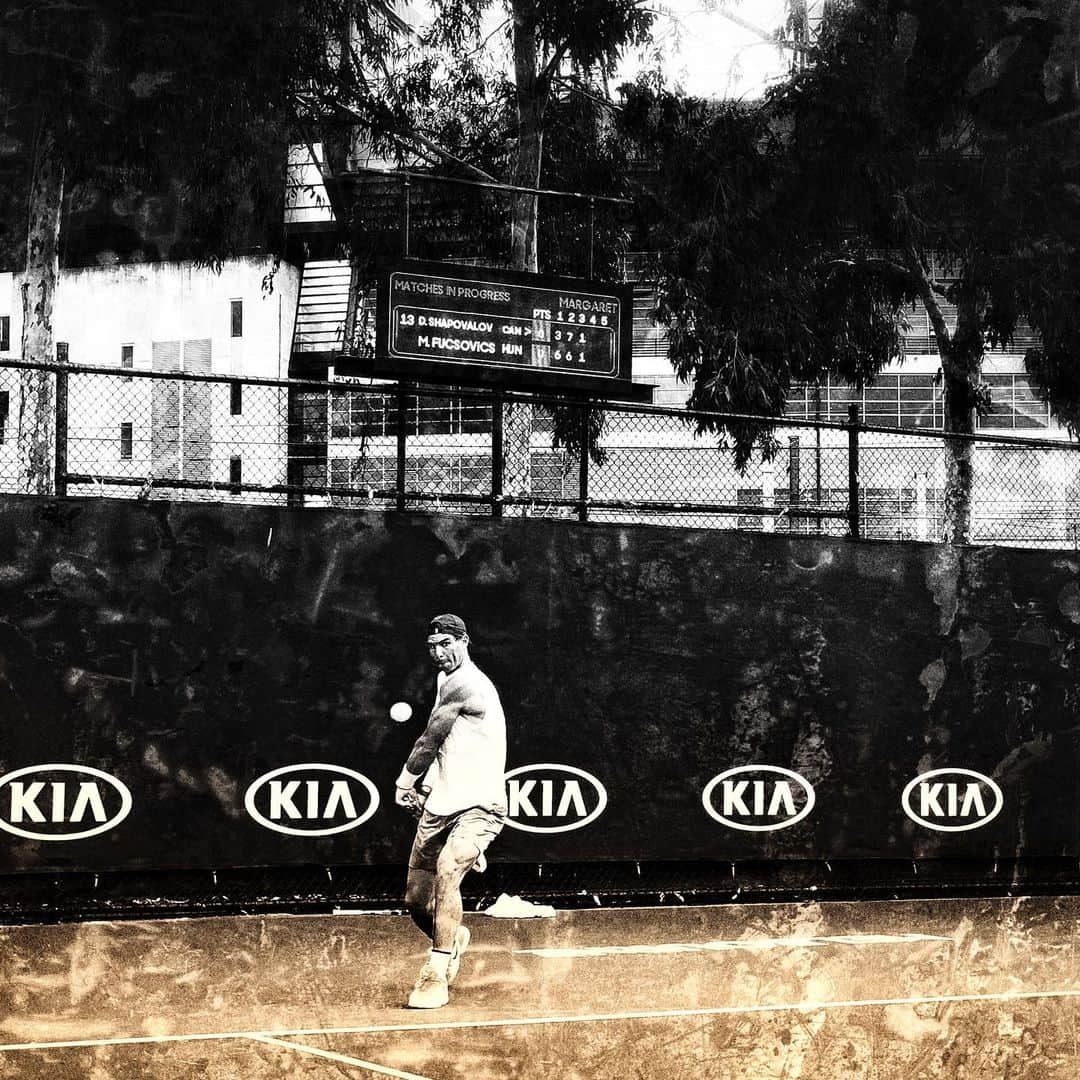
458 701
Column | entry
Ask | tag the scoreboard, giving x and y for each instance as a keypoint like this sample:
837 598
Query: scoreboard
474 324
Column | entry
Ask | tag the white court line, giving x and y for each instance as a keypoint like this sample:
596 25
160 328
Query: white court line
303 1048
581 1018
751 944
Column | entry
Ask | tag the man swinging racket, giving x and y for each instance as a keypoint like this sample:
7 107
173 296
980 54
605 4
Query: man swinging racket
459 764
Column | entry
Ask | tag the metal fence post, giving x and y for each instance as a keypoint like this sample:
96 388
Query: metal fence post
853 472
402 444
794 482
583 467
592 235
61 457
497 456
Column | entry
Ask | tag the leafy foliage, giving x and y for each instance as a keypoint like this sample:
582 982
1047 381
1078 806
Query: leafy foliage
194 103
925 151
756 292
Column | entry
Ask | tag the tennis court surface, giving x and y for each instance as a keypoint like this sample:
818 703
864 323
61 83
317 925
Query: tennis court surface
965 988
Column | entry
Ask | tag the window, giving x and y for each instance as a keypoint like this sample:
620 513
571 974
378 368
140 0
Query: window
236 308
127 359
920 402
5 333
235 470
125 442
236 398
904 400
3 413
1014 403
61 352
356 415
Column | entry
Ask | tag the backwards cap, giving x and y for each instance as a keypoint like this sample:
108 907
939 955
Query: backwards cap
448 624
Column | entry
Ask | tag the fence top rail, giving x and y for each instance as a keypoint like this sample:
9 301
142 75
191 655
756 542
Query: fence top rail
493 396
408 175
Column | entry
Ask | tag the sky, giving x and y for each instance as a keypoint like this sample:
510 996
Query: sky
709 54
705 46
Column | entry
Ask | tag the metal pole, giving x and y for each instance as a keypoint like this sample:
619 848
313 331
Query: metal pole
402 441
497 456
405 218
592 232
61 462
853 472
817 451
583 467
794 480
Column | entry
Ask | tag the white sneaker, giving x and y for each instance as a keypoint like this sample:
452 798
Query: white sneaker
430 991
461 943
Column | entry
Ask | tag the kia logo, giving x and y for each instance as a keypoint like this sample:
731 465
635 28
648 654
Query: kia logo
758 798
553 798
61 802
952 800
311 799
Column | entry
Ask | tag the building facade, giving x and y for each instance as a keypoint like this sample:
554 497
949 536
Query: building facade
166 318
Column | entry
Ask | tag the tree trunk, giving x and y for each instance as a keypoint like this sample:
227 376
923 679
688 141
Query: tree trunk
531 102
960 375
524 216
36 420
961 368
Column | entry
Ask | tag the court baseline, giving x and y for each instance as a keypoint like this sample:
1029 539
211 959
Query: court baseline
580 1018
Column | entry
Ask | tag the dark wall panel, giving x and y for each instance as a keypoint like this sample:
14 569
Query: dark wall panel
185 651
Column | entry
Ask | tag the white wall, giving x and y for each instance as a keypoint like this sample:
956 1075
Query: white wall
11 306
98 310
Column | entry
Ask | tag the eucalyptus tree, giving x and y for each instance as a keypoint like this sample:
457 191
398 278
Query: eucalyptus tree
516 95
121 95
923 152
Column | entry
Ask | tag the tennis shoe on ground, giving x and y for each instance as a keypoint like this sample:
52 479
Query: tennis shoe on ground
461 943
430 991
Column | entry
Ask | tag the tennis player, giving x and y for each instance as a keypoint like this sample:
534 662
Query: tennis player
461 758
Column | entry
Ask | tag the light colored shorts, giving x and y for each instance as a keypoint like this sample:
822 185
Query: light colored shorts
478 825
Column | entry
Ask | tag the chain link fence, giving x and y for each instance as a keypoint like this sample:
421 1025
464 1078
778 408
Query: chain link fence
180 432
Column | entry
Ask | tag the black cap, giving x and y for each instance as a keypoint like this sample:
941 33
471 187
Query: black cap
448 624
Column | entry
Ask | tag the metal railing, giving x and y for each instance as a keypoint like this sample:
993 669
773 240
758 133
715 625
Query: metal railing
83 431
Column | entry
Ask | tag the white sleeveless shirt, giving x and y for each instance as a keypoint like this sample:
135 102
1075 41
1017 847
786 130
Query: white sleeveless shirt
469 767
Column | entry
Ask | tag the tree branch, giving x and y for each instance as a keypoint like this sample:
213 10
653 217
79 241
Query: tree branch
887 264
413 136
547 72
927 294
414 140
574 86
795 46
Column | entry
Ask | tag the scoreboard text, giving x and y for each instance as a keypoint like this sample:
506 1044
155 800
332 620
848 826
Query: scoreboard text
444 318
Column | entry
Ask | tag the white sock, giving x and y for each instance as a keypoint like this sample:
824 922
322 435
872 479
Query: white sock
439 960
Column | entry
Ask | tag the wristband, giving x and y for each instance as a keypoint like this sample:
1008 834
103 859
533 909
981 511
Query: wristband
407 779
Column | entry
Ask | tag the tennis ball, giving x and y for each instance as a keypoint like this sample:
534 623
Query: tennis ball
400 711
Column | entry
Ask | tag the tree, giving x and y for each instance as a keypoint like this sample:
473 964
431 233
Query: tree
123 94
922 153
485 103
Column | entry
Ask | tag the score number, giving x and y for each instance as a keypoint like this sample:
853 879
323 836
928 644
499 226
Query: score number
570 337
